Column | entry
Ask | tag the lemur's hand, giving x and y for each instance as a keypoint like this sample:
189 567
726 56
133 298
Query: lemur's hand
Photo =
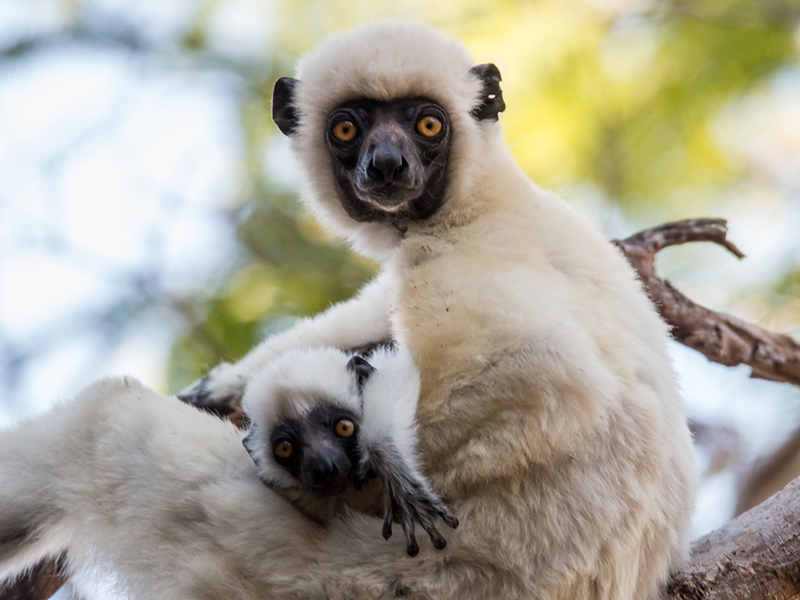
220 392
408 502
408 499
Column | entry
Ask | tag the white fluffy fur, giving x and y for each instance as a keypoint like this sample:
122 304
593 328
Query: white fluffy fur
381 62
548 415
294 383
389 408
156 499
302 379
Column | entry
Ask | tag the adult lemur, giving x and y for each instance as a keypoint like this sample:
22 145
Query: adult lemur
159 500
548 414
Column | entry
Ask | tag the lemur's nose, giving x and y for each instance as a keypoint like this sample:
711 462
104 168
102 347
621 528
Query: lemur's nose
388 164
323 470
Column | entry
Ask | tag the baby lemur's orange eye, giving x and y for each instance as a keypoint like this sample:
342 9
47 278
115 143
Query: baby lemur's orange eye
345 428
429 126
283 449
344 131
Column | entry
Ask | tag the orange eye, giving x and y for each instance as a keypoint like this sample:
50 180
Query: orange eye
283 449
344 131
429 126
345 428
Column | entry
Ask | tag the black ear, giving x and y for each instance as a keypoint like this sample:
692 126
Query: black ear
283 111
491 99
361 368
250 442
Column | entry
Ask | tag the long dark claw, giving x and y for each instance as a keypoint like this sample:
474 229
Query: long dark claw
412 548
438 540
387 522
449 518
411 539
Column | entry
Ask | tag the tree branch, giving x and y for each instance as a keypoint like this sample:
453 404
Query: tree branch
719 337
769 474
756 556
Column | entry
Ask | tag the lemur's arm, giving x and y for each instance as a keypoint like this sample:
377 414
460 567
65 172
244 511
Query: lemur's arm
387 446
351 324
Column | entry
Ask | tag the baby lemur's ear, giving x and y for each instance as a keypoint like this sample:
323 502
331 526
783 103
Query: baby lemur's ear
250 442
361 368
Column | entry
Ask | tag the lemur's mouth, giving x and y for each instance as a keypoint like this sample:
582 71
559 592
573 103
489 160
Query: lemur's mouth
388 197
332 487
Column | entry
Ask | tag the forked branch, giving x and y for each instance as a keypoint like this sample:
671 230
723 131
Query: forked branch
719 337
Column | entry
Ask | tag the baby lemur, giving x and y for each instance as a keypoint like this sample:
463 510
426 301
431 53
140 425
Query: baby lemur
322 420
165 499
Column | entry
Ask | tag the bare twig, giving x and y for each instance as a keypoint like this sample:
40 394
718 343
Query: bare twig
719 337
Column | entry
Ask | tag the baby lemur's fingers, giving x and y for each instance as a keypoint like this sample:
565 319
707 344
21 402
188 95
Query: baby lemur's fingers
409 500
426 510
430 505
449 518
387 521
437 538
412 548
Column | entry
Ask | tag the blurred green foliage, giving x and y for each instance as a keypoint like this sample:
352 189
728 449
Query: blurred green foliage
620 97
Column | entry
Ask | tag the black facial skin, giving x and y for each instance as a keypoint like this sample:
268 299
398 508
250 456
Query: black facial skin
389 170
321 460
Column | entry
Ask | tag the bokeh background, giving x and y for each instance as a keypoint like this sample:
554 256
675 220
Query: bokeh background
148 214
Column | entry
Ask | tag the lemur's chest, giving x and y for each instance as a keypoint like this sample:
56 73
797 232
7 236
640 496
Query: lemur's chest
447 311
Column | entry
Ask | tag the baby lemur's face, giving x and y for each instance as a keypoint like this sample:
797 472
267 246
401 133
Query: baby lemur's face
305 410
322 419
319 449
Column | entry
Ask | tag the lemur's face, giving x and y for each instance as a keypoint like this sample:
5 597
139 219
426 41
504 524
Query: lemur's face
390 158
319 449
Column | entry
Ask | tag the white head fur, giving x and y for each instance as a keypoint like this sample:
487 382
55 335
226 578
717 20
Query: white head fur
383 61
302 379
